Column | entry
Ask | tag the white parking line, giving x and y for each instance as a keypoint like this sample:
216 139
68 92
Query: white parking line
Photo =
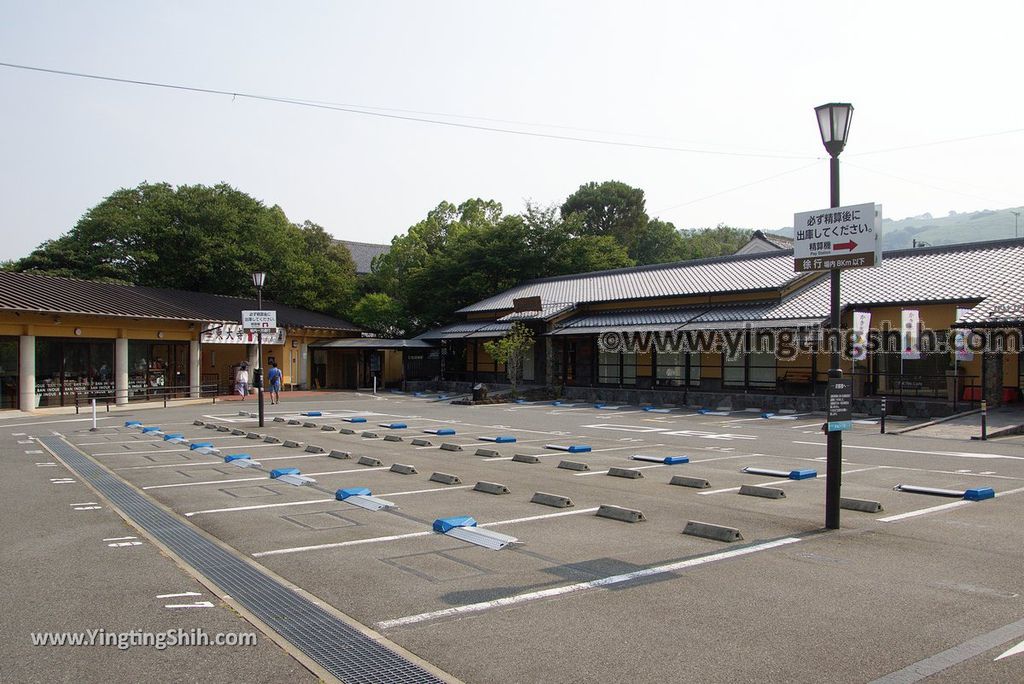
630 467
941 507
254 479
736 489
582 586
129 452
958 454
409 535
258 506
196 463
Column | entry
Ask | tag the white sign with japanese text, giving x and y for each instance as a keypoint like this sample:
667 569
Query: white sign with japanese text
257 320
840 237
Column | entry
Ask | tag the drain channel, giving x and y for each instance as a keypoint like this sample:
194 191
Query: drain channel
336 646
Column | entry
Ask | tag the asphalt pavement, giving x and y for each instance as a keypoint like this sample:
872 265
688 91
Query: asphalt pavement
577 596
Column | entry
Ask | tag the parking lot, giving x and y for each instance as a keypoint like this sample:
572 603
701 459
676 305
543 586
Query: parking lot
596 580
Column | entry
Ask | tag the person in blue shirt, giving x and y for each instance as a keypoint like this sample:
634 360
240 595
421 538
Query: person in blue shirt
274 376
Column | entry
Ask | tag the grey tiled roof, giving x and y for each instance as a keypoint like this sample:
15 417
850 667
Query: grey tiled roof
966 273
363 253
699 276
989 274
29 292
467 329
547 311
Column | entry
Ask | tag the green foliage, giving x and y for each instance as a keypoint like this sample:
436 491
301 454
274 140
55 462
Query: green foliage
511 350
462 254
380 314
659 242
205 239
721 240
610 208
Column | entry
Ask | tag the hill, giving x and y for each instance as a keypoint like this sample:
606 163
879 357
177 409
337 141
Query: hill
951 229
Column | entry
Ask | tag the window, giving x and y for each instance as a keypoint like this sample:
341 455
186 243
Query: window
70 369
616 368
9 372
676 368
753 369
608 367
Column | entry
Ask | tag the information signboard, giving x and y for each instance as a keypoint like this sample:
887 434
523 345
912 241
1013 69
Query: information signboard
259 320
840 237
840 404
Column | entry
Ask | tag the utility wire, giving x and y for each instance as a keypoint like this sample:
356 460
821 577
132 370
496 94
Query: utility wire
936 142
923 184
739 187
383 114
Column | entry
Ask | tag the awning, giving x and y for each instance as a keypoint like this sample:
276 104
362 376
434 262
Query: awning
459 331
371 343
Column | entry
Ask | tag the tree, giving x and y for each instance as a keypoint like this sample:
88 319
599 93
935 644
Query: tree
659 242
380 314
460 255
511 350
711 242
205 239
610 208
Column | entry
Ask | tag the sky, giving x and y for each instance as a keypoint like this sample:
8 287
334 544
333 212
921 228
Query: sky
706 106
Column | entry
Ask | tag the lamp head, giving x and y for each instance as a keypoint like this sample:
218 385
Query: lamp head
834 125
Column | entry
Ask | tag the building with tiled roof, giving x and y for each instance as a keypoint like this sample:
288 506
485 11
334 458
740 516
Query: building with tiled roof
363 253
64 341
948 289
761 241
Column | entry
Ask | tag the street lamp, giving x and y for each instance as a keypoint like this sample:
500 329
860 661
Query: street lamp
834 125
258 279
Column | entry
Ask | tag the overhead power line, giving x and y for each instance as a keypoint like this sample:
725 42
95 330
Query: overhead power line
381 113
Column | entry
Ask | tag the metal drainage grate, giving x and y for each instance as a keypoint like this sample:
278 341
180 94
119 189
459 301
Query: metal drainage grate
339 648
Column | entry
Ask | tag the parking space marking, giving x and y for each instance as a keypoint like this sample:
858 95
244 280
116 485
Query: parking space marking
583 586
195 463
108 539
941 507
179 451
956 655
253 479
428 491
410 535
335 545
958 454
258 506
605 472
736 489
197 604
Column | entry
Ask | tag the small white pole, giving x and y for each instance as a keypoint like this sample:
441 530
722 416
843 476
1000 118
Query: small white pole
374 384
93 414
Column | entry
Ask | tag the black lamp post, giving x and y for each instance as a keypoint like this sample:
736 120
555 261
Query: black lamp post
258 279
834 124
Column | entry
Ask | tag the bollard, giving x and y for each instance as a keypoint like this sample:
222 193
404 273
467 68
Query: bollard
93 428
882 422
984 420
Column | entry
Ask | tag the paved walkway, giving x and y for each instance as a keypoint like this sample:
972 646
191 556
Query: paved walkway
965 427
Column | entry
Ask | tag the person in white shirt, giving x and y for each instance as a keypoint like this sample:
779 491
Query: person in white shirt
242 381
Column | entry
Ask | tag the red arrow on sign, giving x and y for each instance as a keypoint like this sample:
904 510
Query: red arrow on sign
851 245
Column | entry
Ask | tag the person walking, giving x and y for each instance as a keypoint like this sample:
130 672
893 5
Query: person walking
242 381
274 376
